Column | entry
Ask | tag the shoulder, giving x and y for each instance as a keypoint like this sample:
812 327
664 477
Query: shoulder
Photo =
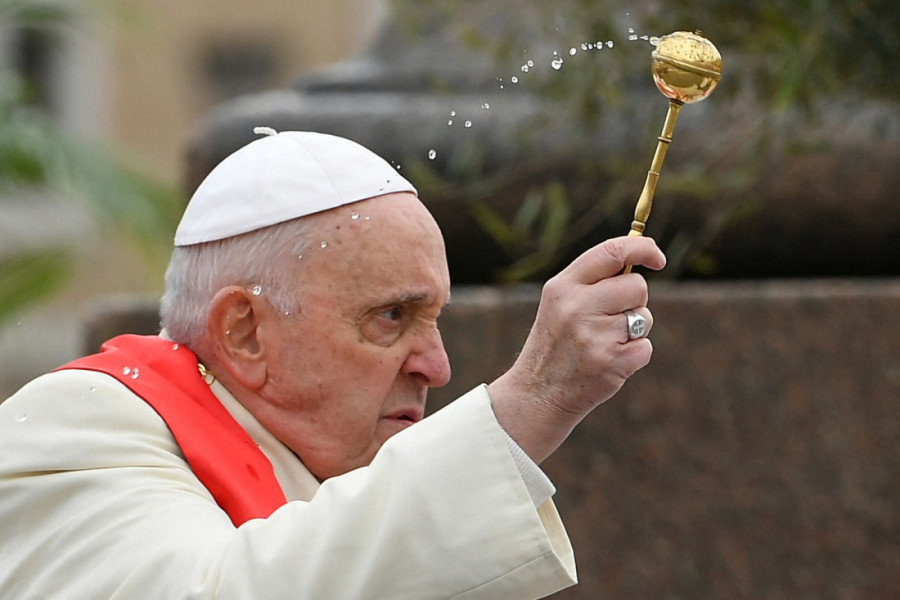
77 412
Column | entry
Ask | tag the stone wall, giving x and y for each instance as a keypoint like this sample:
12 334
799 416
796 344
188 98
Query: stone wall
756 456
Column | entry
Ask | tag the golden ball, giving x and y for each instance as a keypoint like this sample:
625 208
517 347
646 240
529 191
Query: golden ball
686 66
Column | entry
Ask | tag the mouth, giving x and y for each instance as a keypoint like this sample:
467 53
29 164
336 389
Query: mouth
405 417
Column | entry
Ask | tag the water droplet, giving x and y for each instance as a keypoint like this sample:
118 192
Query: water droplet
324 244
645 38
257 290
530 63
585 46
432 154
126 370
227 332
468 123
573 51
452 113
486 106
514 79
93 387
175 346
135 373
609 44
450 122
355 216
654 41
22 418
367 217
525 68
631 30
632 37
299 256
556 63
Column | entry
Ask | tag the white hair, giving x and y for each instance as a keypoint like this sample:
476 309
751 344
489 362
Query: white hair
266 257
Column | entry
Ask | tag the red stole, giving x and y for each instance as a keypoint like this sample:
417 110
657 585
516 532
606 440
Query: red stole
218 450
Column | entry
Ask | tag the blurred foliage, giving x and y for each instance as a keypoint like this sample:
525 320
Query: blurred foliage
36 153
791 56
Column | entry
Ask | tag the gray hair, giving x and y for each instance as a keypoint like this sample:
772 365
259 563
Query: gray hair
265 258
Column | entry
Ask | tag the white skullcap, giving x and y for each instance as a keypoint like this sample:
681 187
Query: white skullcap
281 177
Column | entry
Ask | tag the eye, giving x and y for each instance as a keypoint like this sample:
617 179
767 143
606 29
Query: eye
385 325
391 314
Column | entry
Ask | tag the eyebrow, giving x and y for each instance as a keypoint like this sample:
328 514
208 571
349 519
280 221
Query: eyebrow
413 298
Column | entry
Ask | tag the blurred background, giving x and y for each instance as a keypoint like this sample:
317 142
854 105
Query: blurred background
97 102
528 128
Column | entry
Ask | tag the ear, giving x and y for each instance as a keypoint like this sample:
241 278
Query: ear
233 327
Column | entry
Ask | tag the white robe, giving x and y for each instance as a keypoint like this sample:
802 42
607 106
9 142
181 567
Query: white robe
97 501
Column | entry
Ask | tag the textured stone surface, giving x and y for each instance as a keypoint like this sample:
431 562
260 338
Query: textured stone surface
756 457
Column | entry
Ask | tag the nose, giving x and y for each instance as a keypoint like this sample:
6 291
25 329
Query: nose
428 359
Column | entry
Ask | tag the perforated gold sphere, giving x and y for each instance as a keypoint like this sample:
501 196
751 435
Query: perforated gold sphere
686 66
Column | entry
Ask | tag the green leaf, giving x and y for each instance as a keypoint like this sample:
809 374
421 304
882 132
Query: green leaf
26 278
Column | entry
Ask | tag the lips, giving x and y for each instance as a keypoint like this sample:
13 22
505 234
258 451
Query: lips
406 416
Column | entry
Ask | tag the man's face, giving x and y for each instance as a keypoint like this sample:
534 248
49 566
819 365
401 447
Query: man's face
352 366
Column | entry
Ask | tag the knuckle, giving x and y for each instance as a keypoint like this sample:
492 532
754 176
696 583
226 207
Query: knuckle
615 249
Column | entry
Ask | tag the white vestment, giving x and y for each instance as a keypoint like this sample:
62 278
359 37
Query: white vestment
97 502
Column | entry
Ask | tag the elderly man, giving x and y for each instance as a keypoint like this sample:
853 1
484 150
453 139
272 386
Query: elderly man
270 443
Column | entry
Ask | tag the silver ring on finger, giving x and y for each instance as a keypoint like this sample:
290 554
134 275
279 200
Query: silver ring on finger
637 325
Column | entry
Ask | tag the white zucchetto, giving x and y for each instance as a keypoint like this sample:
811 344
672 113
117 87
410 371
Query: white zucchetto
281 177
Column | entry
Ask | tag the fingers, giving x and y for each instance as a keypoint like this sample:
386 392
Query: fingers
610 257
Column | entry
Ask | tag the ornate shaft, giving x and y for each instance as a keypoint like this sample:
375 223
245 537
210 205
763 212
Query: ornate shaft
645 202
